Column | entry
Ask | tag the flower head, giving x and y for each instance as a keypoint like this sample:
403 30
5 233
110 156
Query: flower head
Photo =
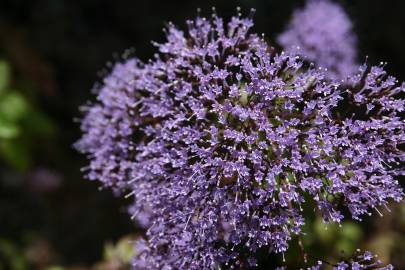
323 34
219 138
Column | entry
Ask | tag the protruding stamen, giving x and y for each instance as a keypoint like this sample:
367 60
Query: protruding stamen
130 194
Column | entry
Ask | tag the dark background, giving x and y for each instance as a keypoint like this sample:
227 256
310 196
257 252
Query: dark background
56 50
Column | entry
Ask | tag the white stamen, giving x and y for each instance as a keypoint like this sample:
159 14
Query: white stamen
130 194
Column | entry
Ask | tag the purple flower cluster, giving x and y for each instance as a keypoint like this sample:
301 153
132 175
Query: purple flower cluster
323 34
111 127
219 138
359 262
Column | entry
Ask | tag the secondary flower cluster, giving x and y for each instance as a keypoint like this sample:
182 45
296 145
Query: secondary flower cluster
324 34
360 261
219 138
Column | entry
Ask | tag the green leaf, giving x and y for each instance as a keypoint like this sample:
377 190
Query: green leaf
326 232
345 246
13 256
13 106
8 130
36 122
125 249
4 75
351 231
16 152
290 176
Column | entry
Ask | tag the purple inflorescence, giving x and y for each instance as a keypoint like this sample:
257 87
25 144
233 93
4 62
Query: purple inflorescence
323 34
360 261
111 127
219 138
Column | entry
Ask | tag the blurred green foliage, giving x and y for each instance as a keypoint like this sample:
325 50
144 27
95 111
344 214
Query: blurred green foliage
20 123
4 75
123 251
116 256
13 254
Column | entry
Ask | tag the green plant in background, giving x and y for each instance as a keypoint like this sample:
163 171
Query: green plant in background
337 241
13 254
116 256
122 252
20 123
